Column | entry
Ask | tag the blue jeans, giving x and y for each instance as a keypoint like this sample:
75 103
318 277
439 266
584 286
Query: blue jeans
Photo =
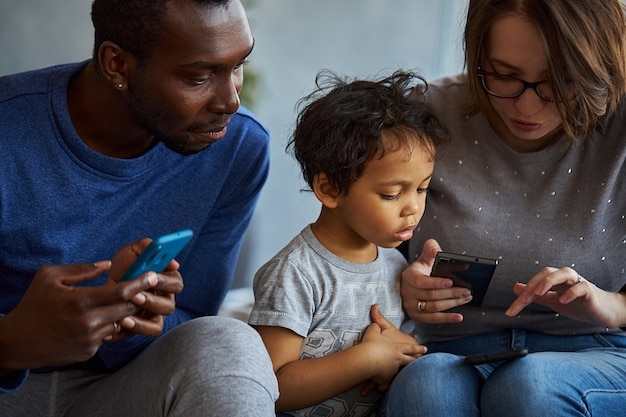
561 376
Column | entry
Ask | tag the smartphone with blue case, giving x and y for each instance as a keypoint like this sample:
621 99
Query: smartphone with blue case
158 255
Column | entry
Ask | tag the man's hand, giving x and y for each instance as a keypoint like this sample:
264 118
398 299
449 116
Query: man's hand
151 305
58 322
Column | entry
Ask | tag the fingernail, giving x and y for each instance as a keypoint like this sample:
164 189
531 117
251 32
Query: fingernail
102 264
127 323
153 279
139 299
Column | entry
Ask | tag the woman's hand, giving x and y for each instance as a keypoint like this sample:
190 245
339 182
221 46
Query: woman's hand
566 292
425 298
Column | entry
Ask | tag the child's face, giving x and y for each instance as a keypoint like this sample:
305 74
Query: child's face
387 202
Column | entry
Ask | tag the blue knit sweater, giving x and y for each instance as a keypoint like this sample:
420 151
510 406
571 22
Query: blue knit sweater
61 202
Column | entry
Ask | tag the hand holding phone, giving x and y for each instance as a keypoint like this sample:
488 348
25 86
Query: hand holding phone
158 255
466 271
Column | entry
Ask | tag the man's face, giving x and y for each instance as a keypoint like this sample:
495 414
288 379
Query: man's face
186 89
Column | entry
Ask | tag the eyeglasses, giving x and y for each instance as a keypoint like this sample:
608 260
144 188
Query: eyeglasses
503 86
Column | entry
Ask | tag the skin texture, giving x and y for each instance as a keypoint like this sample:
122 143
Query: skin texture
56 323
514 48
382 208
183 96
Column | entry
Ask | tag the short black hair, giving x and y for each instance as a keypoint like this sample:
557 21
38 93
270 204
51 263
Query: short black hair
340 124
134 25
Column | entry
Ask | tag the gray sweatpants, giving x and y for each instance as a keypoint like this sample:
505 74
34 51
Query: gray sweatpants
211 366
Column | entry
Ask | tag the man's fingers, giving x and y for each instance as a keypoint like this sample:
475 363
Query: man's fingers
155 304
78 273
151 326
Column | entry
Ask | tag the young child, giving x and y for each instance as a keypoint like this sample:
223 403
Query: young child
328 305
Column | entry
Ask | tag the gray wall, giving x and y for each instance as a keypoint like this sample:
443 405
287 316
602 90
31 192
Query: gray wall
294 40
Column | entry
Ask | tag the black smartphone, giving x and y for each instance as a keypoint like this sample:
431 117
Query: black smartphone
466 271
158 255
506 355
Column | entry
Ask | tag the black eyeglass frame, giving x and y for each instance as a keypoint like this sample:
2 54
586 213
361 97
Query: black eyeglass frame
525 85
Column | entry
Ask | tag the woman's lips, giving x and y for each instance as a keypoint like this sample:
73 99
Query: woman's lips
525 126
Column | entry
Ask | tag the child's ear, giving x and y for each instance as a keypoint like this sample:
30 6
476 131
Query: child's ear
324 192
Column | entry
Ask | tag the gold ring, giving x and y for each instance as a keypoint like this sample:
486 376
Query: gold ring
421 305
116 327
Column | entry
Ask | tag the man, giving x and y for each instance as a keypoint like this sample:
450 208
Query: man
144 139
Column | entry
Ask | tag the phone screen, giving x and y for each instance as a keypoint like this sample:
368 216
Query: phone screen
470 272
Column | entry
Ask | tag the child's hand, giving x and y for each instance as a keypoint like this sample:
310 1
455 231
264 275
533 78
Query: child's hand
392 332
389 349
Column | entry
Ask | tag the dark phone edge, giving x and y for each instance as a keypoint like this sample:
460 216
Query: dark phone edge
506 355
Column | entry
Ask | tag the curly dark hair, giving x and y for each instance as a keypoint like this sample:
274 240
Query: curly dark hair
339 125
134 25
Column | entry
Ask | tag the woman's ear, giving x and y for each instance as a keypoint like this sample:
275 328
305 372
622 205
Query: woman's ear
324 191
115 64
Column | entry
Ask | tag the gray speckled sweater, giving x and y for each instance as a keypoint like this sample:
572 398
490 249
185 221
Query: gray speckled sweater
561 206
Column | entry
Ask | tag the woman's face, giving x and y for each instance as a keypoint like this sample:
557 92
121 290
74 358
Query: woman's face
515 48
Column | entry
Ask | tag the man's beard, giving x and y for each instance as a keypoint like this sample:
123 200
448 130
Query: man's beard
181 148
151 119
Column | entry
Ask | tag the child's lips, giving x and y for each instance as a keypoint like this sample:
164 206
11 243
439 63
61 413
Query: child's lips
405 234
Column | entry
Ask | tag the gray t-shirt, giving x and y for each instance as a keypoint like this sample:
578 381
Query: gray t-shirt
562 206
327 300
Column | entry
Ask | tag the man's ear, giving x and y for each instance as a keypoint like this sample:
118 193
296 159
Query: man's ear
324 191
116 64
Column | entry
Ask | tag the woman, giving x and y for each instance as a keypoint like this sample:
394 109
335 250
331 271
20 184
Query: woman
535 177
